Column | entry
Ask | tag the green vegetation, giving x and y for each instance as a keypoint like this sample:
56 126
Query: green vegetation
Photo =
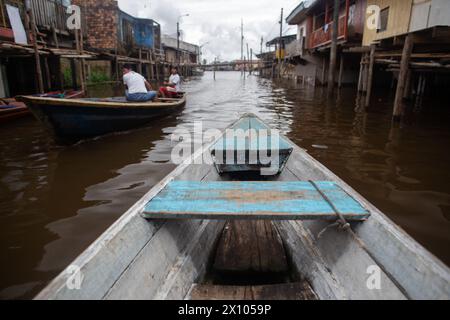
98 76
67 73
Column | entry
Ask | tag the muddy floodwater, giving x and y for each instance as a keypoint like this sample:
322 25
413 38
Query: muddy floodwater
55 201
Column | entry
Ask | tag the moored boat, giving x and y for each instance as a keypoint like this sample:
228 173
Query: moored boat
10 109
71 120
370 258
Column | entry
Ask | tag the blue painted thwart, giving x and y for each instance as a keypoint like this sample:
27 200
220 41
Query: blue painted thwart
247 200
250 145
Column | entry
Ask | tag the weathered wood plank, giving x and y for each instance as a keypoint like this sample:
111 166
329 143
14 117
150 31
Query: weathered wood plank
250 247
102 264
415 270
290 291
404 66
253 200
339 256
191 265
170 249
337 272
335 264
251 145
171 260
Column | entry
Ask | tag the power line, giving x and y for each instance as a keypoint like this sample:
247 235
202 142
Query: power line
287 30
268 36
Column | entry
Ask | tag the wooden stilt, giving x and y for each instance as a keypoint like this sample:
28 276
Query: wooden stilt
341 71
407 93
404 66
366 73
370 75
140 61
47 74
37 57
361 70
324 71
55 36
424 83
85 74
73 67
60 73
78 46
157 70
150 65
420 91
333 50
419 88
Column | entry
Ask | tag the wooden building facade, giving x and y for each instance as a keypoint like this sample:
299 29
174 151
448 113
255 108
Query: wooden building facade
186 57
45 42
402 43
308 56
63 57
410 45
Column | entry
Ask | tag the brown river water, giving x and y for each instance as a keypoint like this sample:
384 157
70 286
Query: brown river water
55 201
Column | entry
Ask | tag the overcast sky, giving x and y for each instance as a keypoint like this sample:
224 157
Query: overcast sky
217 21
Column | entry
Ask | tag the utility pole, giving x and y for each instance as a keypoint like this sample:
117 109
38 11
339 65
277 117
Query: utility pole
333 51
36 51
242 41
178 43
248 57
251 61
262 42
280 45
178 56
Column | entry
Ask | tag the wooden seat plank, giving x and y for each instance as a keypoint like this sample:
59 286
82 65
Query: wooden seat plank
251 138
251 146
253 200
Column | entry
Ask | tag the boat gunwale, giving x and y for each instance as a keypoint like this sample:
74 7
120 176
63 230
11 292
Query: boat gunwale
53 288
80 103
436 268
430 261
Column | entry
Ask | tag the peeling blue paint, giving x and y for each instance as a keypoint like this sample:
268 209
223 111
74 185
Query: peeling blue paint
296 199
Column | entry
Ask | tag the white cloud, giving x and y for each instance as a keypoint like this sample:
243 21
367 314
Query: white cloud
216 21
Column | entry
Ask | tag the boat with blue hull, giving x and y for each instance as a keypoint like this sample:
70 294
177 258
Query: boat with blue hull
77 119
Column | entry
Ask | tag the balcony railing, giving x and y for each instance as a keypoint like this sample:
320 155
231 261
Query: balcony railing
50 14
323 35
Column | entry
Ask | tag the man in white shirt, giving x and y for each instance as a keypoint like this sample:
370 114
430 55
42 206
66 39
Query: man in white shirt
173 87
138 89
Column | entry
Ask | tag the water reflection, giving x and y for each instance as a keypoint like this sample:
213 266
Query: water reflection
55 201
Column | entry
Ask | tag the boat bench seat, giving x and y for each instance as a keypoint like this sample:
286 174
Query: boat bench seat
255 201
251 146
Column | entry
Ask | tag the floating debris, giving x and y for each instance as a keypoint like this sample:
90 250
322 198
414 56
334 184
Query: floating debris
317 146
